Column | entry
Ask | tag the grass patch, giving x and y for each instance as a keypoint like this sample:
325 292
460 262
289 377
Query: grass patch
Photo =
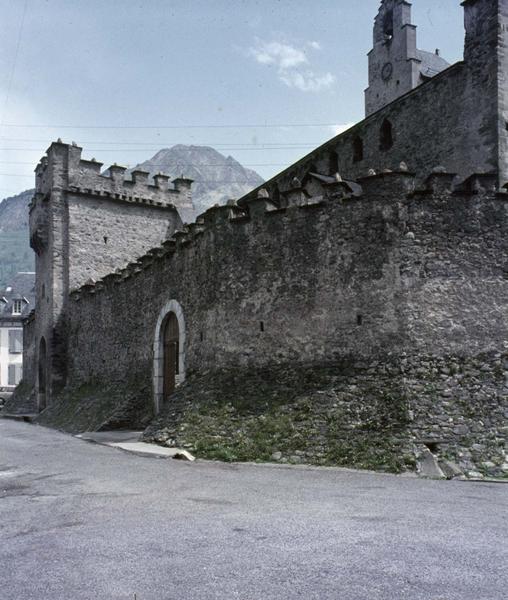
319 415
95 405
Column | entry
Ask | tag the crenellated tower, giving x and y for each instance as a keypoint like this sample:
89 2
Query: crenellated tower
85 224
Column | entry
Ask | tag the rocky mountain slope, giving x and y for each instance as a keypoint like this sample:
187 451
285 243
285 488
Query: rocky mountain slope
15 252
217 178
14 212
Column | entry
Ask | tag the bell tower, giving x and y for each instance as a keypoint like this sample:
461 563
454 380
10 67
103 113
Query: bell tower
396 66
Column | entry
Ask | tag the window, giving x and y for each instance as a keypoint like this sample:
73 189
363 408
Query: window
15 341
357 149
15 373
17 306
333 162
386 136
388 25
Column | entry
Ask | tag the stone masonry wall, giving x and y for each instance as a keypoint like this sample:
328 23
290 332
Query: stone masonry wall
374 414
105 234
446 110
360 276
391 276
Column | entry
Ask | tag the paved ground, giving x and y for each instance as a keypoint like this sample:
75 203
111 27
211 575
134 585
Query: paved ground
129 440
83 521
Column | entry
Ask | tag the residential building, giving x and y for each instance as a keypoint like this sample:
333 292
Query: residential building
16 302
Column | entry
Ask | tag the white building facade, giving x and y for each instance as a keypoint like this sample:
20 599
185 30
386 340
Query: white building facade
16 303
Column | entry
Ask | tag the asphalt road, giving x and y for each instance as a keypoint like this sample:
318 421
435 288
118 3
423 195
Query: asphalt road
82 521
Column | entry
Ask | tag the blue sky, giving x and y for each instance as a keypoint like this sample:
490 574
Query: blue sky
262 80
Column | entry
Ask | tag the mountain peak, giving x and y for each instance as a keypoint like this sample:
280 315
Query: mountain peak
217 178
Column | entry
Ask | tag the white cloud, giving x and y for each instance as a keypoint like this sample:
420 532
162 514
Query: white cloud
292 64
337 129
283 56
307 81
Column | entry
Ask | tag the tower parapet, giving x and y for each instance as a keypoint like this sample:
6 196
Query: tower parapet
64 168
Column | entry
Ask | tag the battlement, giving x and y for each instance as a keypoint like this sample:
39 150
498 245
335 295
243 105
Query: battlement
389 189
64 168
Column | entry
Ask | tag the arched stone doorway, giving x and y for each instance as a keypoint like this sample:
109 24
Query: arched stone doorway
42 377
168 352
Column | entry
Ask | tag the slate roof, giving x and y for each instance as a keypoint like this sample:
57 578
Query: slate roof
353 186
432 63
22 287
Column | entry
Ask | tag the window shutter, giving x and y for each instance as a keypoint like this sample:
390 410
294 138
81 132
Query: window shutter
16 341
19 373
19 341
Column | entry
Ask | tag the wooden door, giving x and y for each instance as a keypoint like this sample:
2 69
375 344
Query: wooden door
170 355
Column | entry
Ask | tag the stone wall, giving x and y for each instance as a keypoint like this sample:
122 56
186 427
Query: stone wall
502 82
345 275
457 119
446 117
392 276
369 414
105 234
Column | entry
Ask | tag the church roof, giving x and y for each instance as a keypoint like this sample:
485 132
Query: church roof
432 63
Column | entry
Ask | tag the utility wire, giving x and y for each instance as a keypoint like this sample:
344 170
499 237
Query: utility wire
14 64
173 143
178 165
156 149
220 181
242 126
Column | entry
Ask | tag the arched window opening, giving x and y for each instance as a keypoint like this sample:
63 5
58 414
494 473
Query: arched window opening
275 195
357 149
386 136
388 26
333 162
